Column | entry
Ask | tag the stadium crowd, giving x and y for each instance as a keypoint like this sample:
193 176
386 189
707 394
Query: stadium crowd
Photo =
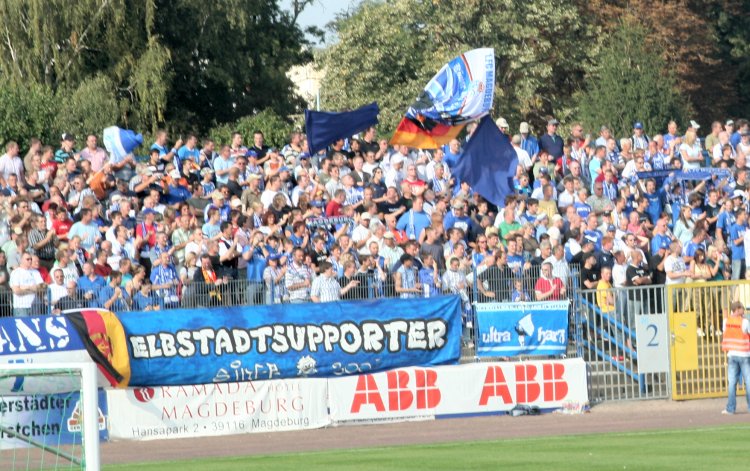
229 223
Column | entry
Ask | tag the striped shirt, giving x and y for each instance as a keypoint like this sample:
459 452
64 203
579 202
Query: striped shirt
295 275
326 289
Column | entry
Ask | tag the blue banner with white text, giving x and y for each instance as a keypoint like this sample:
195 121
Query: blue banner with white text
214 345
510 329
50 419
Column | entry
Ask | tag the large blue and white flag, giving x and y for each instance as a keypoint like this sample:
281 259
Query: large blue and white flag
121 142
461 91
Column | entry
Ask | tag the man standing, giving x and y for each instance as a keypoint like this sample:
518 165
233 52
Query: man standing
93 153
25 283
736 342
11 163
548 287
636 275
415 220
298 278
737 244
551 142
326 288
528 142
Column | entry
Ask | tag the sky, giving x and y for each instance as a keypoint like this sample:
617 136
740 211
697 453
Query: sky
321 12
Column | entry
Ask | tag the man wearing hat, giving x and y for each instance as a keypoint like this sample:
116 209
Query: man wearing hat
551 142
528 142
523 156
361 234
67 149
502 124
639 139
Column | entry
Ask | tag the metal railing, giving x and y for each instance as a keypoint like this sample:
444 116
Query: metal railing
697 311
607 337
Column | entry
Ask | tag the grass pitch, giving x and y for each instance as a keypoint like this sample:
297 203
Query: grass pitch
704 448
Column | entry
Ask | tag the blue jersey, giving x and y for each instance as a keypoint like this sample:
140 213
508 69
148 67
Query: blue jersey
595 237
725 222
655 205
737 232
582 209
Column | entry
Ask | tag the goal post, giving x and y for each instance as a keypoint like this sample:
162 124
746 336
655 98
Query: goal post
38 379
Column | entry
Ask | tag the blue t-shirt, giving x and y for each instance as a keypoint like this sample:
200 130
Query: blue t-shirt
162 149
655 205
413 223
582 209
184 153
737 232
85 285
725 222
657 240
595 237
515 263
256 265
691 247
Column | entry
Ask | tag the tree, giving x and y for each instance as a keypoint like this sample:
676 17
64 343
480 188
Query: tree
276 130
26 112
688 36
388 50
83 110
190 63
631 83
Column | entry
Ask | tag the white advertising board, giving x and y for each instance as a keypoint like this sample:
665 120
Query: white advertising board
479 388
217 409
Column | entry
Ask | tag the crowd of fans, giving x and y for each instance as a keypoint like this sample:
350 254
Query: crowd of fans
226 223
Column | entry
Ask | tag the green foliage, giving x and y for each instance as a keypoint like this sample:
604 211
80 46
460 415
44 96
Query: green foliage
190 63
276 129
88 109
26 111
388 50
631 84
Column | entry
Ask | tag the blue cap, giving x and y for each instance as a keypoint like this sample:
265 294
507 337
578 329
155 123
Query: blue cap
251 153
638 125
318 204
275 256
304 155
285 169
148 211
611 227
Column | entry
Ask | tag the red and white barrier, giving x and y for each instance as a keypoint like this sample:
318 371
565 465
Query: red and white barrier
478 388
392 396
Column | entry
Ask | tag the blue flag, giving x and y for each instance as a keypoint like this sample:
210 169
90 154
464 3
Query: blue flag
325 128
488 163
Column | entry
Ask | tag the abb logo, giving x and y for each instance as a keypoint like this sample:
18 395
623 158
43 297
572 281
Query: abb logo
418 389
400 394
529 387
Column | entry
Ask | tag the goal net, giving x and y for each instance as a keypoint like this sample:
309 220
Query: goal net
49 416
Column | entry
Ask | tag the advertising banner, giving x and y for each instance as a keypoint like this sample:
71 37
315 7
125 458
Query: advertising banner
510 329
450 391
150 413
50 419
41 339
220 345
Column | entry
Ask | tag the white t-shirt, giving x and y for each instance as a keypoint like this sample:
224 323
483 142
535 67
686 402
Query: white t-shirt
674 264
23 277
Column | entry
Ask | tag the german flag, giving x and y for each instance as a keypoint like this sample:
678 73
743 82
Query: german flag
104 337
415 134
